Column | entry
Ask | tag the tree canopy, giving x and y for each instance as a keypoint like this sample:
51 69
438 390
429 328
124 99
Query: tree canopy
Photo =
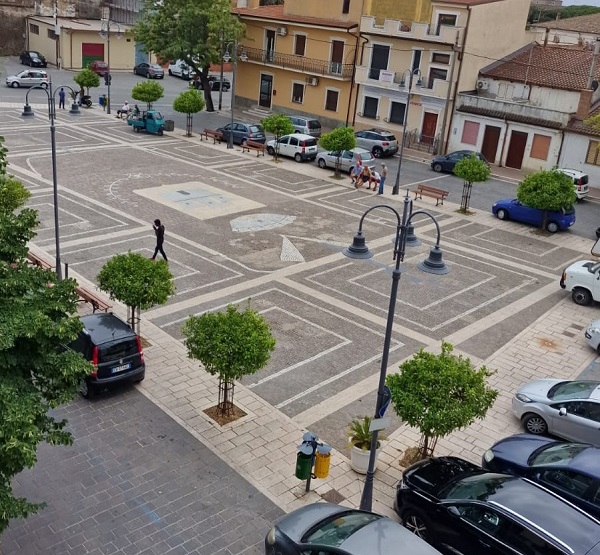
148 92
189 102
341 138
86 78
471 170
547 190
279 125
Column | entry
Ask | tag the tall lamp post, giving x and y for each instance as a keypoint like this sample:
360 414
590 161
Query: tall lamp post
433 264
234 58
411 74
74 111
105 34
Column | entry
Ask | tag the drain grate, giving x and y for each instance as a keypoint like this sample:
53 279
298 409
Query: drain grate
333 496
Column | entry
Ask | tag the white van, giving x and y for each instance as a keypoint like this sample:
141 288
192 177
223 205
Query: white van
179 68
580 182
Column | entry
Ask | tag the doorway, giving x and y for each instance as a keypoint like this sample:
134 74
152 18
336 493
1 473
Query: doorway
266 88
429 127
269 45
516 150
337 56
491 138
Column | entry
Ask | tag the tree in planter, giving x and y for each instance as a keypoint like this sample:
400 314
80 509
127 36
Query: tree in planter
230 345
279 125
86 79
36 373
189 102
148 92
439 394
471 170
547 190
137 282
341 138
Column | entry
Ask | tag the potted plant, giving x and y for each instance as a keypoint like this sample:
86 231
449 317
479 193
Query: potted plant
359 439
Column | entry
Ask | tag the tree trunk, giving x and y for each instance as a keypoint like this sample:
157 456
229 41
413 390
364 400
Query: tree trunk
188 125
337 167
206 88
225 403
466 196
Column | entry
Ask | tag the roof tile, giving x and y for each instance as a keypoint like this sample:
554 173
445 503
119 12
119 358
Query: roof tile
582 24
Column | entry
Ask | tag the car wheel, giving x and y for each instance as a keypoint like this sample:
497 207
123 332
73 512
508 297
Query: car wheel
271 150
298 157
160 132
136 129
44 85
148 75
377 152
581 296
322 163
14 85
134 71
437 168
552 227
416 522
534 424
87 390
170 73
502 214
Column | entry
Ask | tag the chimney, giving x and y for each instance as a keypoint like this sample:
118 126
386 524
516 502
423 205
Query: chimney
585 102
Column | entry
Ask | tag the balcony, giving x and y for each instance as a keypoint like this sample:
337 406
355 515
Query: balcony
411 30
390 80
300 63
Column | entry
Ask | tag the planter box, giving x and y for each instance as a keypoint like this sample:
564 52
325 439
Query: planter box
359 459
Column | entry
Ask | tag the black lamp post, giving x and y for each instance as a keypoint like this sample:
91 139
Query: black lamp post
105 34
234 58
411 74
74 111
433 265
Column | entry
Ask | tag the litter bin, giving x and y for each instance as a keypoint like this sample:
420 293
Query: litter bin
169 125
101 100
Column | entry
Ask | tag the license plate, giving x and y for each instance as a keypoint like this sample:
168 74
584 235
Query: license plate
587 335
118 369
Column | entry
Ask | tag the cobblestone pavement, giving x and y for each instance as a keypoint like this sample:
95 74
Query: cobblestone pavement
241 227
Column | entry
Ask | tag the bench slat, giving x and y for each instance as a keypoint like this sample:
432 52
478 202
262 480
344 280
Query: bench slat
253 145
97 302
438 194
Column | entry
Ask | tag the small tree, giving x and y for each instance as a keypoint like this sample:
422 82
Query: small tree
471 170
547 190
189 102
341 138
148 92
439 394
86 78
136 281
279 125
229 344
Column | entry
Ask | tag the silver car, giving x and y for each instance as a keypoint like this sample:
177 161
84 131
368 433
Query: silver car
28 78
379 141
568 409
347 159
592 335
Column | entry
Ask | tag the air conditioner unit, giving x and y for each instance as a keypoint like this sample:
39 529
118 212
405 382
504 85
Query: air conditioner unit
282 31
313 81
482 85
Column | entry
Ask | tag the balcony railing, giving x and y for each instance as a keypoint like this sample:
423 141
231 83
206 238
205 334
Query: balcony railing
391 80
445 34
299 63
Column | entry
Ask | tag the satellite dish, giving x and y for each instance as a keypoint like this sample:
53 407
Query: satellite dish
594 85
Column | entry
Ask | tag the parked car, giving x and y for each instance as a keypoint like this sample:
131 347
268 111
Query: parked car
582 278
32 58
28 78
379 141
99 67
460 509
512 209
324 529
580 182
568 409
150 71
572 470
297 146
347 159
181 69
216 84
114 349
592 335
307 126
243 131
446 163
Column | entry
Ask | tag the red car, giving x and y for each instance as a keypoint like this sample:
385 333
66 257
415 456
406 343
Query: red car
99 67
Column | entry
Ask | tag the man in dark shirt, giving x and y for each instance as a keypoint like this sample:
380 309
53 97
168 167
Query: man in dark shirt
159 231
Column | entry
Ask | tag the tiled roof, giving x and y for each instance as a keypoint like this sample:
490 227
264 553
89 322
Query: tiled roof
577 126
581 24
557 67
510 117
277 13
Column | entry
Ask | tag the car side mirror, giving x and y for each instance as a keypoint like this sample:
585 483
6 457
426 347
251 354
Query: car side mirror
562 411
453 511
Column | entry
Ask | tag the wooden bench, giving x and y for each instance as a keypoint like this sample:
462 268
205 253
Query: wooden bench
438 194
38 261
253 145
215 135
88 296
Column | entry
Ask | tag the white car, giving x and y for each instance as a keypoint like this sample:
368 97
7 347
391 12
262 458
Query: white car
592 335
347 158
297 146
181 69
28 78
580 182
583 280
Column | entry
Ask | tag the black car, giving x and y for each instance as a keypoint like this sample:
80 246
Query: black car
446 163
32 58
216 84
113 348
461 509
572 470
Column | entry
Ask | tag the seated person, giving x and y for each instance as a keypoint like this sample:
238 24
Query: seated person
136 111
355 172
375 179
124 111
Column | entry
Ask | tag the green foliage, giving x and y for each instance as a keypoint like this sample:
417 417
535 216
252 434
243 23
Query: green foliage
148 92
189 102
86 78
359 434
341 138
593 122
36 372
279 125
541 13
471 170
439 394
547 190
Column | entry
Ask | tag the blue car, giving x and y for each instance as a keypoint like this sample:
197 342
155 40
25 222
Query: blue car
512 209
572 470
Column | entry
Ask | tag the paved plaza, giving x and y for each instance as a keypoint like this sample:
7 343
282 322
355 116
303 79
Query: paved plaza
242 227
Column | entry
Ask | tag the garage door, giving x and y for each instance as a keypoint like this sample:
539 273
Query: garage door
90 52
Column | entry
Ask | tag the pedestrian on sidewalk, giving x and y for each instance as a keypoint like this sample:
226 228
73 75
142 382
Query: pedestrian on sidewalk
382 178
61 98
159 231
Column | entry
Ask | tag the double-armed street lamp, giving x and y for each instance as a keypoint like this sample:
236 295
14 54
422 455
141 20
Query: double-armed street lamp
411 74
28 112
226 57
105 28
433 264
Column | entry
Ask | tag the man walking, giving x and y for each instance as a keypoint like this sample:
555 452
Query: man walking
382 178
159 231
61 98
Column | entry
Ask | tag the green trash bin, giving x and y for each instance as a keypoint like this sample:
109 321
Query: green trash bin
303 466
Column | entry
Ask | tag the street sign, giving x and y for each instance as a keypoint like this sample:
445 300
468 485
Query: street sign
380 424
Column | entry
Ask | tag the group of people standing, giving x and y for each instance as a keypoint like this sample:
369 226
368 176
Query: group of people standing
361 175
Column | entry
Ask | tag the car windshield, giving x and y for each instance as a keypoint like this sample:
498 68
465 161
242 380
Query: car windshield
119 350
310 142
556 453
478 486
313 124
255 128
335 532
564 391
386 137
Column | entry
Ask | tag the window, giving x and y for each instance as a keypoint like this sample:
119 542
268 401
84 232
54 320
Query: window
338 529
593 153
439 58
470 132
540 147
482 518
568 481
380 56
337 56
445 19
346 6
435 73
293 141
370 107
298 93
300 45
331 100
416 61
397 112
51 34
34 29
524 540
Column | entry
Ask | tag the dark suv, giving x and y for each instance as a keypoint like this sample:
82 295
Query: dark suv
113 348
32 58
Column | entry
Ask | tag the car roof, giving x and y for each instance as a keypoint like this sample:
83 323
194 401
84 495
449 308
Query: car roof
103 328
380 131
300 136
